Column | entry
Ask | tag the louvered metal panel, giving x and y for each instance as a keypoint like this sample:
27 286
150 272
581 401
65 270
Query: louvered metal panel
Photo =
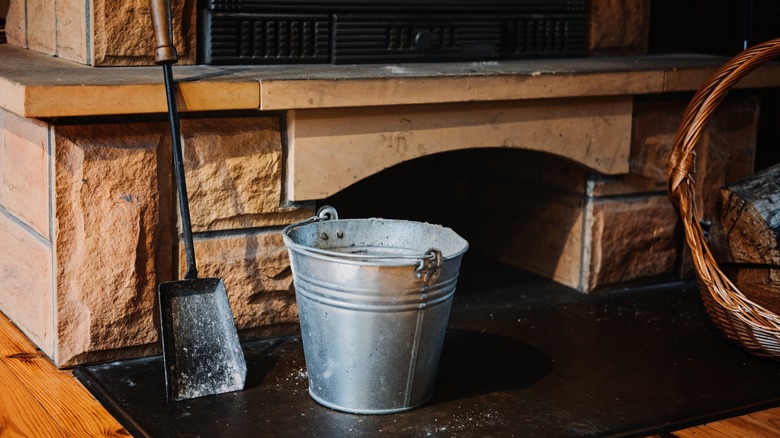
266 39
406 6
365 31
538 36
404 38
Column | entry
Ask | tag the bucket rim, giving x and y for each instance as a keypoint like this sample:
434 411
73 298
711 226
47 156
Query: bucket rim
390 260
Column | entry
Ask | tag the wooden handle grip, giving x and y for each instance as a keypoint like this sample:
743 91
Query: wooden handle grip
165 53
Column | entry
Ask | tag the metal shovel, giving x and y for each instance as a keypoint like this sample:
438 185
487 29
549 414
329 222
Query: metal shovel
201 350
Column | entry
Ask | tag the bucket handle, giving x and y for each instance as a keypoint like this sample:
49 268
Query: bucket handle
325 213
427 263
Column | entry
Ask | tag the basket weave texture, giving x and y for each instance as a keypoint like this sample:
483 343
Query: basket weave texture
753 326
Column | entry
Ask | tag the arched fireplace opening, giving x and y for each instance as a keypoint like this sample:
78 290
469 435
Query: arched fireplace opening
554 216
523 209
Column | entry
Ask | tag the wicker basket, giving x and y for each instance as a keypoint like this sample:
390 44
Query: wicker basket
753 326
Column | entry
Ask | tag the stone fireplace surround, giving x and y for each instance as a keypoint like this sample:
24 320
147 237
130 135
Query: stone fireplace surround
86 196
87 200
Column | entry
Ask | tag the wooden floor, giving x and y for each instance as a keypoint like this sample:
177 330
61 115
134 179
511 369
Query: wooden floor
757 425
38 400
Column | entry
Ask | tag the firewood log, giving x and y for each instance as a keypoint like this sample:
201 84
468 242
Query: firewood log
746 241
750 218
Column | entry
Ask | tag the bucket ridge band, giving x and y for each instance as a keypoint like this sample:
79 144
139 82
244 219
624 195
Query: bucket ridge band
324 292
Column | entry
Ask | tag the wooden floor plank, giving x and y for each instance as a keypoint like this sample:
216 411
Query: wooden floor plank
757 425
20 412
770 418
65 400
68 404
12 340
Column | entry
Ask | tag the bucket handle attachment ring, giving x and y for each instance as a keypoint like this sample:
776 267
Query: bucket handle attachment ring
327 213
430 264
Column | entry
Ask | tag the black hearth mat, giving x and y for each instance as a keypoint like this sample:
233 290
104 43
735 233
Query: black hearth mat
523 357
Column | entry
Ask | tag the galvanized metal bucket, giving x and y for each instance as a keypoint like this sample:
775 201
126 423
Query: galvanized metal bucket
374 298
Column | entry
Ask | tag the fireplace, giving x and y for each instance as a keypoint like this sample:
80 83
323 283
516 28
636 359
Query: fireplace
555 166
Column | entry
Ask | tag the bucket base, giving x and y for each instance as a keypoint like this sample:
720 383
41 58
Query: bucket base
365 411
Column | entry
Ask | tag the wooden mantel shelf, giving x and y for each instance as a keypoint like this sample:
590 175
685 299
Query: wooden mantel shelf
36 85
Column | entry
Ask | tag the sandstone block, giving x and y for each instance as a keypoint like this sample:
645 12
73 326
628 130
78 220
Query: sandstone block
24 170
116 226
724 154
72 30
618 27
256 270
16 23
234 173
122 32
41 26
26 281
111 237
628 239
115 33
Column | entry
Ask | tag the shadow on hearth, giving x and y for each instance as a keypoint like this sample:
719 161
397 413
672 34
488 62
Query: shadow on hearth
261 361
474 364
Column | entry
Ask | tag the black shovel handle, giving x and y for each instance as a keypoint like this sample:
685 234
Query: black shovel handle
165 55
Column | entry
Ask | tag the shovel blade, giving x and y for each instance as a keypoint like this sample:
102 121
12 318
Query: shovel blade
201 350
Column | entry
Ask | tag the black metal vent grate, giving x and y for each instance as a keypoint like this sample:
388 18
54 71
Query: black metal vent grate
372 31
367 38
528 36
267 39
403 37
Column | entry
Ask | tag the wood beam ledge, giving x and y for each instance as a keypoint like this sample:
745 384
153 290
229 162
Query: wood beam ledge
39 86
328 150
